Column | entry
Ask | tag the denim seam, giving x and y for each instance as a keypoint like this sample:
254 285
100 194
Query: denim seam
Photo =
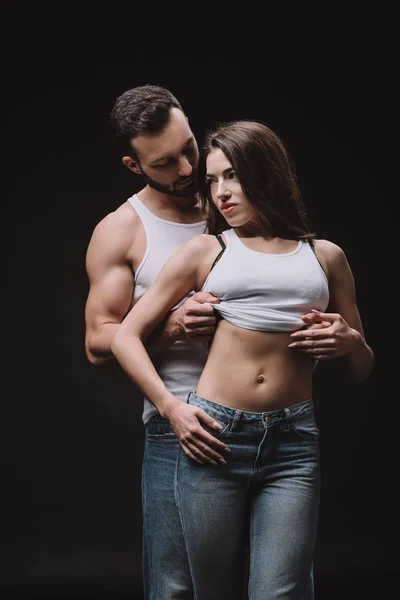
149 558
259 451
307 582
179 507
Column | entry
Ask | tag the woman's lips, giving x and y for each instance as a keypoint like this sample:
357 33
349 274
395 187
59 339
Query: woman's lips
228 208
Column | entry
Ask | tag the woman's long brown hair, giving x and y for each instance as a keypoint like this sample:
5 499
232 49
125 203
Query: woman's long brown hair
266 174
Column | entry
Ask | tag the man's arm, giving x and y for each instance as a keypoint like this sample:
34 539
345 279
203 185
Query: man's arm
338 333
112 283
194 320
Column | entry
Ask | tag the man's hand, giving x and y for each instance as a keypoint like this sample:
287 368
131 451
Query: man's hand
328 336
197 318
188 422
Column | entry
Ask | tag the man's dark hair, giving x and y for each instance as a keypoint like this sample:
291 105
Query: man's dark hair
142 109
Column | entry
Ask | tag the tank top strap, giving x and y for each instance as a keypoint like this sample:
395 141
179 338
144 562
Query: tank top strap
228 236
140 208
151 222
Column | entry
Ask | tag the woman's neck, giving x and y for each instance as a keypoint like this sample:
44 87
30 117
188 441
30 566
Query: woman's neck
252 230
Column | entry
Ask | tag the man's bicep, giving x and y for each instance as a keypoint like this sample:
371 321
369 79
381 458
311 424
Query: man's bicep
110 296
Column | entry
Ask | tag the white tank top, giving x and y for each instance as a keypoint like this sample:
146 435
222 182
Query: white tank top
267 292
180 365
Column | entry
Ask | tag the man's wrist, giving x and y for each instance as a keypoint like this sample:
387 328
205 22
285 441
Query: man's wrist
173 326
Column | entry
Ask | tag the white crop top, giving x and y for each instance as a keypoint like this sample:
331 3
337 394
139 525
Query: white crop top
267 292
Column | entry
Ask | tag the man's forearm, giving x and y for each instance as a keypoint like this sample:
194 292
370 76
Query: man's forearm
98 346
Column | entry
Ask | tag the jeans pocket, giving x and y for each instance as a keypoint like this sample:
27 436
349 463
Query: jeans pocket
306 427
217 433
159 430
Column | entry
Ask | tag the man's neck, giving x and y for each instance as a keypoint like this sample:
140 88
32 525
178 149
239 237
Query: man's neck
167 207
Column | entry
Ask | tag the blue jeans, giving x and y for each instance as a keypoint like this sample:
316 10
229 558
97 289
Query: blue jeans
266 497
166 574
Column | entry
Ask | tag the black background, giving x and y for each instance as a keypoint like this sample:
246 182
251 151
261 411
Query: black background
72 435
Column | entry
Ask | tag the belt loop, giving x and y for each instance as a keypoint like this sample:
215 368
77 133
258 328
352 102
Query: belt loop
236 419
288 416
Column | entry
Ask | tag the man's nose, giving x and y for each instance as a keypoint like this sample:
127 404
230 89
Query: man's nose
185 168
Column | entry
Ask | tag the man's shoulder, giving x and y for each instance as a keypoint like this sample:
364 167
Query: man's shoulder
115 233
122 221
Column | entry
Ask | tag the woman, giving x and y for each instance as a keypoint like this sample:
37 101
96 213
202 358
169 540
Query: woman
254 396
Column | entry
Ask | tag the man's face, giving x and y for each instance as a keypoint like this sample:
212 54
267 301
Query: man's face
168 160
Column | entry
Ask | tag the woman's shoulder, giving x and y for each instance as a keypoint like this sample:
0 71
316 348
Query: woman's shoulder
329 249
202 243
330 255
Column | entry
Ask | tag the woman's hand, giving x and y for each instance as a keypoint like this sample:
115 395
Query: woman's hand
188 423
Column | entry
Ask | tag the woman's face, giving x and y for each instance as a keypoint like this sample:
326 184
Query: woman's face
226 191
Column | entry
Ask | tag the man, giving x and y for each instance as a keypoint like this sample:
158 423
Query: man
126 251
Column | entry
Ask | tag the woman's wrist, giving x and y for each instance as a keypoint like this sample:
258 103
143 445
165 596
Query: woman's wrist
167 404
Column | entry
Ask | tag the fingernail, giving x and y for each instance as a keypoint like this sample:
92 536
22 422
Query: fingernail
223 461
217 425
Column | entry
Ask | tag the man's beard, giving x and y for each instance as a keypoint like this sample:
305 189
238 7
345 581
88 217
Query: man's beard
185 192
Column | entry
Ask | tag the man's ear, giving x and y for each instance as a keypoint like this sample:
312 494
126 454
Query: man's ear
132 164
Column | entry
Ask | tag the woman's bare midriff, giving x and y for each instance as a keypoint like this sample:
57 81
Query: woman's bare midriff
254 371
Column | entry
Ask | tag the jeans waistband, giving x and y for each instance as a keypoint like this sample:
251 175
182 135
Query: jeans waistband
290 413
